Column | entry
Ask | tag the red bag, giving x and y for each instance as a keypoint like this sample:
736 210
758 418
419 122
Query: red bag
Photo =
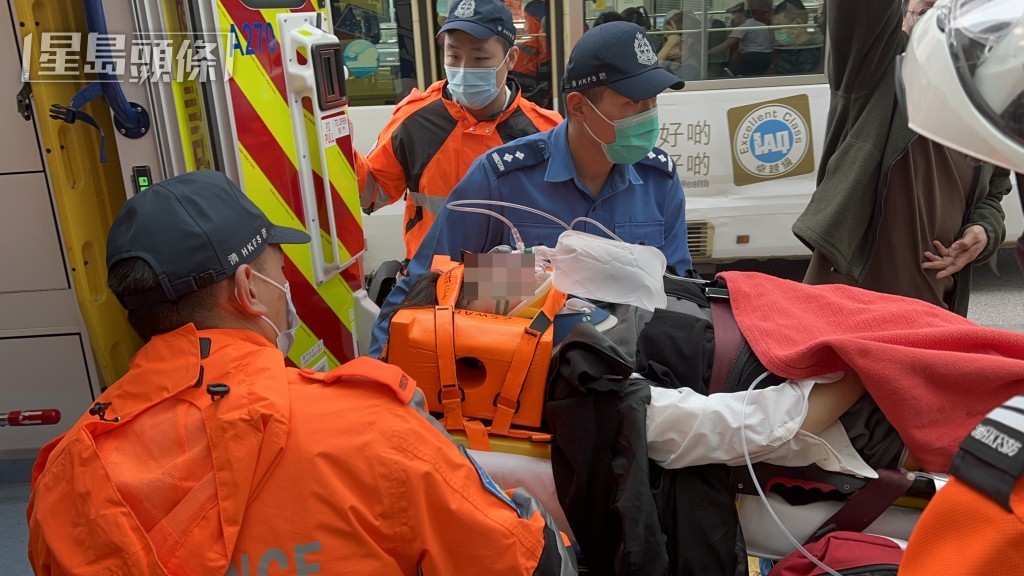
846 553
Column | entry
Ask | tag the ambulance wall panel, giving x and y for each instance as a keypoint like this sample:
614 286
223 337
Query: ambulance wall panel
19 148
38 312
29 244
49 372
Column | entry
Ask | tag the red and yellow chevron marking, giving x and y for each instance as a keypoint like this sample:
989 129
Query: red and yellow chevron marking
270 172
258 79
320 309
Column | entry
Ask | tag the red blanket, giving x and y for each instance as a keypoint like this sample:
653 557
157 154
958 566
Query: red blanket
934 374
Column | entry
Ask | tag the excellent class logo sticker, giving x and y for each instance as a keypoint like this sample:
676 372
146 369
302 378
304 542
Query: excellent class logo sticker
771 140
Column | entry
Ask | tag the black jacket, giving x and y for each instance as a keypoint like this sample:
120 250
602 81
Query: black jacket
630 516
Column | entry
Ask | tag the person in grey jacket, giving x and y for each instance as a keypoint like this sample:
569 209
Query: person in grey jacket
893 211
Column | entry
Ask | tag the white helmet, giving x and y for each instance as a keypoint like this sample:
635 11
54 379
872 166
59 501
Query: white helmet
963 78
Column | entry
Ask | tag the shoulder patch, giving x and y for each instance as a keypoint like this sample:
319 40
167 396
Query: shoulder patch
658 158
517 155
991 458
368 371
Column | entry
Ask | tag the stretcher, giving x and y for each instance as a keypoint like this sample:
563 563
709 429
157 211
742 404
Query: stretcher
427 344
525 464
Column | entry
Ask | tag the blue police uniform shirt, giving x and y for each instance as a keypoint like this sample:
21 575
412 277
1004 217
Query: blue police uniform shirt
641 203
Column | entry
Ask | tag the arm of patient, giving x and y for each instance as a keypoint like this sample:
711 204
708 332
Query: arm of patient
825 404
793 424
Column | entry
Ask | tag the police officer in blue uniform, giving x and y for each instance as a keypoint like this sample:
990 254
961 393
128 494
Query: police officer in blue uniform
600 162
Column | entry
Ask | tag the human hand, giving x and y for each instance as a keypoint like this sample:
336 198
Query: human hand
949 261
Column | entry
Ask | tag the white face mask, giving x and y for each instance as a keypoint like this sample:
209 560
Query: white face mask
607 270
286 338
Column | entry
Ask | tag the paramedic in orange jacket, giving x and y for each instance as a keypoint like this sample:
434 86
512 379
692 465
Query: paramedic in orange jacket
975 524
210 456
434 136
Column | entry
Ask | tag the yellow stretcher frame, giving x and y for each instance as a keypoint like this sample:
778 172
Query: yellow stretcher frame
88 194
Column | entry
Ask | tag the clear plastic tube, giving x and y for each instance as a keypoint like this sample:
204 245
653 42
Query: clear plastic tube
611 234
460 205
510 205
757 485
520 246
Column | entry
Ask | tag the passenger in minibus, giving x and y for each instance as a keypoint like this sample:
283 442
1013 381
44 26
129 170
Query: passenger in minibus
797 50
680 53
754 42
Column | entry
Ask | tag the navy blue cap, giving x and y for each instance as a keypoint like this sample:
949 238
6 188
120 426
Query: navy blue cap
618 55
194 230
481 19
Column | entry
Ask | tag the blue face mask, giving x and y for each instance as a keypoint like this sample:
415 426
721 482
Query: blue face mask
473 88
635 136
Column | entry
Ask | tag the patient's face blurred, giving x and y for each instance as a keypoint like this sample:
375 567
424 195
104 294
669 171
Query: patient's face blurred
498 276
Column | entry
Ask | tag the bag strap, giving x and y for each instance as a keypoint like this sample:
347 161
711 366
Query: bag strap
866 505
506 403
728 339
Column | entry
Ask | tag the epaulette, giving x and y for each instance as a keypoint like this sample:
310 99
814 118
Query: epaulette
516 156
364 371
661 160
991 458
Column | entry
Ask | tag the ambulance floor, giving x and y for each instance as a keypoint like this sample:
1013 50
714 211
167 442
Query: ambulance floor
13 535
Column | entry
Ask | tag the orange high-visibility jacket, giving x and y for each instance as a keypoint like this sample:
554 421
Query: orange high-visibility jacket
224 461
427 147
975 524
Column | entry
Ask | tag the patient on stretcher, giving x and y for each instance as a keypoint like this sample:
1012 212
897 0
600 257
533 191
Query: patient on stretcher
794 423
640 451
